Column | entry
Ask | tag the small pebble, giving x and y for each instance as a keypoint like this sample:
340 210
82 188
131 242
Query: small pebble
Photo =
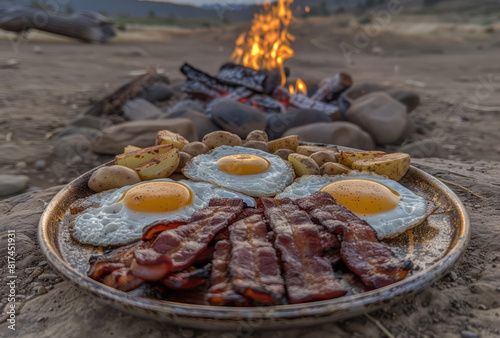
469 334
482 307
40 164
477 206
41 290
42 263
498 289
41 319
453 276
50 276
36 273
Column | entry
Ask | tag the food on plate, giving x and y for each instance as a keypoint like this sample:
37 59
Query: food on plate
309 150
117 217
348 157
188 278
324 156
112 177
130 148
303 165
168 137
184 158
196 148
289 142
393 165
334 169
385 204
257 135
221 138
258 145
161 166
283 153
135 158
249 171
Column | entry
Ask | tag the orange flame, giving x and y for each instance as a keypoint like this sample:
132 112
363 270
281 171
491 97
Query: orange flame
267 44
300 87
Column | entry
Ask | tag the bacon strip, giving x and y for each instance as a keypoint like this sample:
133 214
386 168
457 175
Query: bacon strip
372 261
188 278
152 230
221 291
308 276
331 246
254 265
176 249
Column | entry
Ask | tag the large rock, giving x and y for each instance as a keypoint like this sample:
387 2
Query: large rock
410 99
157 92
424 148
13 184
140 109
361 89
201 122
278 124
238 118
89 133
73 148
188 104
142 134
339 133
93 122
380 115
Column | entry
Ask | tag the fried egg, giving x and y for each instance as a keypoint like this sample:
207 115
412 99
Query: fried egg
250 171
385 204
119 216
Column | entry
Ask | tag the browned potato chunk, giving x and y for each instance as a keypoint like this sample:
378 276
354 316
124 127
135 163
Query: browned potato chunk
309 150
161 166
289 142
394 166
347 157
257 145
184 158
112 177
322 157
303 165
168 137
257 135
334 169
221 138
134 159
196 148
283 153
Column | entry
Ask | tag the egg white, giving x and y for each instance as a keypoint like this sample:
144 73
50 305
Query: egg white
410 211
111 223
268 183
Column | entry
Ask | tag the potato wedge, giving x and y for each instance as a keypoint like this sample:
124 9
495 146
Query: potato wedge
221 138
112 177
303 165
289 142
309 150
196 148
257 145
184 158
136 158
130 148
324 156
394 166
168 137
257 135
283 153
347 157
161 166
334 169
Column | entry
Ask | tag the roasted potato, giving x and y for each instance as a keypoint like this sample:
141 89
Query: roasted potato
309 150
221 138
334 169
303 165
184 158
168 137
130 148
134 159
258 145
161 166
196 148
112 177
257 135
347 157
283 153
289 142
322 157
394 166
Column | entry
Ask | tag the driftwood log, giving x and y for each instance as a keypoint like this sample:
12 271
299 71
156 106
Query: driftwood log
85 26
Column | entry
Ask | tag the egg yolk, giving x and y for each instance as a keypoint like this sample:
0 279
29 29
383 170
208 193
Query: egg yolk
243 164
157 197
363 196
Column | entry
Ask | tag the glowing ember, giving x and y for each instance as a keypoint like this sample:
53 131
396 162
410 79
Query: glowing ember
267 44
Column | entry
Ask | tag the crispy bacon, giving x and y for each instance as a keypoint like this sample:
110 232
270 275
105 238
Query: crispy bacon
363 254
221 291
152 230
123 279
254 265
176 249
188 278
308 276
331 246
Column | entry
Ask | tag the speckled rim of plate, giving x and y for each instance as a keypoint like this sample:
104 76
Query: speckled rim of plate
251 318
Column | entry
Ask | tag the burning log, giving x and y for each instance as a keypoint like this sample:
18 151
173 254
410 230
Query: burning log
301 101
200 90
333 88
266 104
197 75
239 94
243 76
